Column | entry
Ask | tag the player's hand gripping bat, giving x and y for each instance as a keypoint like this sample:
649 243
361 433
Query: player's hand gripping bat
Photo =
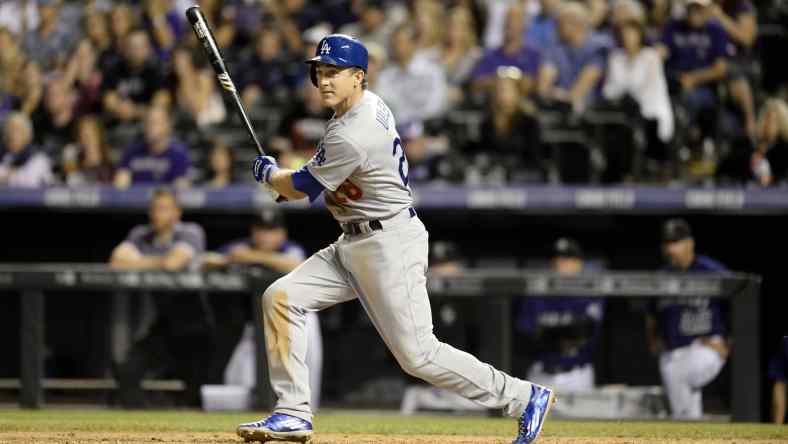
208 42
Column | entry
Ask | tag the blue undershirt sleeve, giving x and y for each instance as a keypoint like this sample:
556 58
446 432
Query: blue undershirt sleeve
306 183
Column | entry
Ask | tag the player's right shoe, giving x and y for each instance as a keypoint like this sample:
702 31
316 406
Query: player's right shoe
534 415
277 427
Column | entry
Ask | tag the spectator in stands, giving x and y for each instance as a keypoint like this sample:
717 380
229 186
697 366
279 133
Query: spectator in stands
158 159
194 90
635 72
460 52
510 136
301 13
21 165
659 13
542 31
97 32
164 24
778 373
180 339
624 11
269 247
413 86
696 49
123 19
513 52
686 333
51 41
769 162
572 69
84 73
373 25
564 331
220 165
55 122
88 161
245 18
12 61
269 74
28 88
430 23
738 19
18 16
135 82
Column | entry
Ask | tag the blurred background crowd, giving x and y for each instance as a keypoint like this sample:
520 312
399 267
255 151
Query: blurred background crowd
484 92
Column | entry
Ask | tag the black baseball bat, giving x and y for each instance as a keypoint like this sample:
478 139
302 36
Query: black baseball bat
205 36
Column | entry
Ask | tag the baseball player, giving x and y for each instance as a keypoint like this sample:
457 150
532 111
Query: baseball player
381 259
566 329
687 333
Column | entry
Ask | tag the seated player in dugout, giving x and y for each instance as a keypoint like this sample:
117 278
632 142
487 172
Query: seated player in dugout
563 331
165 243
175 343
687 334
268 246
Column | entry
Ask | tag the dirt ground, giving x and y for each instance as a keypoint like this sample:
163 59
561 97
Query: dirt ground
332 438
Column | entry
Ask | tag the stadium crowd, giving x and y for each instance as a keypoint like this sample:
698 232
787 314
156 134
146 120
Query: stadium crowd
484 92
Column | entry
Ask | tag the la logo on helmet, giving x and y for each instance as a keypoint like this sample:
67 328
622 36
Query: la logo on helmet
325 49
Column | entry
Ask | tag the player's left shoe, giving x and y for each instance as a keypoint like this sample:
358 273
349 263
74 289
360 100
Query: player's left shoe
277 427
534 415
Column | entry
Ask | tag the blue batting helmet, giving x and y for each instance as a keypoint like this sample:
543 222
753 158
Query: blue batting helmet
338 50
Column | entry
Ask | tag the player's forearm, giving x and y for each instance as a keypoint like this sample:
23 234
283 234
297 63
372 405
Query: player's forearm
778 402
282 182
712 74
136 263
742 30
176 259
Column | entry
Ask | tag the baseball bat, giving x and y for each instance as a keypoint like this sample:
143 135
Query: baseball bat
205 36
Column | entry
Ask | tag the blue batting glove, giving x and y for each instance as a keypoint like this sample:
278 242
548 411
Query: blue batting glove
263 168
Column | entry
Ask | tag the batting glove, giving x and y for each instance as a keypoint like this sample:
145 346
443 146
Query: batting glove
263 168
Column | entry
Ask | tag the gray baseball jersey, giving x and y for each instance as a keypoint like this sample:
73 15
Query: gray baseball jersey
361 162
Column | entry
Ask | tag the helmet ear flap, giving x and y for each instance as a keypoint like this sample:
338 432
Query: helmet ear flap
313 73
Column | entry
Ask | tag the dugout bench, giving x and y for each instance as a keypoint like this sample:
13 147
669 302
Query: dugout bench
743 291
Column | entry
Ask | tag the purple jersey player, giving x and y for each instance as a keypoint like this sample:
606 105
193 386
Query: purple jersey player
687 333
566 329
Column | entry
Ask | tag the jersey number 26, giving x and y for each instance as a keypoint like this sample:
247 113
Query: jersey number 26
403 162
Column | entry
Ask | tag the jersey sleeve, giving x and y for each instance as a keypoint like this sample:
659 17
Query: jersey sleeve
193 237
137 236
336 158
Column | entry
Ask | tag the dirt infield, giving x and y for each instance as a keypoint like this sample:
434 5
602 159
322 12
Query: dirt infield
336 438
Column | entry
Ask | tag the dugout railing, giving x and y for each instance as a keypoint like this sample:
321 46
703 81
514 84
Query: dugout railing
31 281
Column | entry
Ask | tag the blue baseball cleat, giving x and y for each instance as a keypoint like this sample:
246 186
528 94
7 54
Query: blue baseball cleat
534 415
277 427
